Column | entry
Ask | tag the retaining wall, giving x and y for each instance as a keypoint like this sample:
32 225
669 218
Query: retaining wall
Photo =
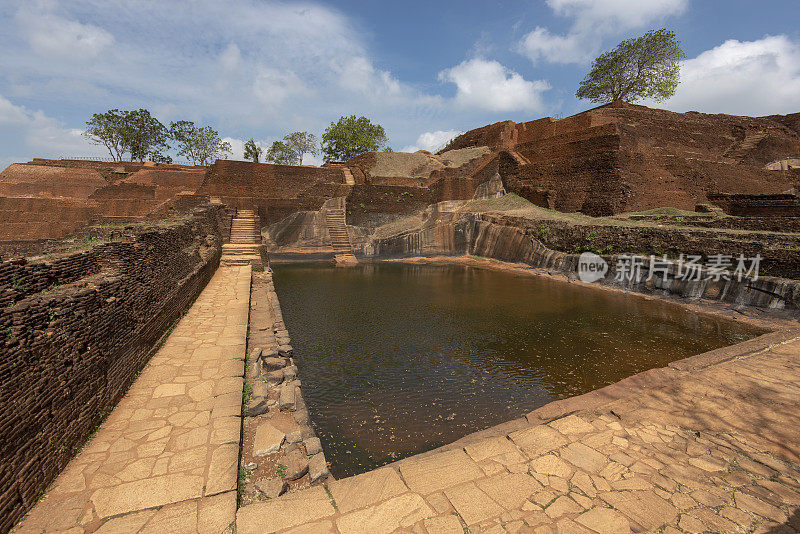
517 240
75 333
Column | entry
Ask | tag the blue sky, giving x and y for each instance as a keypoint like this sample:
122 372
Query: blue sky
424 70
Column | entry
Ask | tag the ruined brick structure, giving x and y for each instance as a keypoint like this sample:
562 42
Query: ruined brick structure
275 191
75 333
629 158
784 205
604 161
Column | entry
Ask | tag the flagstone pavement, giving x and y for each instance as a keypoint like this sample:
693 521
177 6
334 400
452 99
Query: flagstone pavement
166 459
705 446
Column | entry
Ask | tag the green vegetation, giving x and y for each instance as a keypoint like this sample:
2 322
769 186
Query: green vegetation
281 470
350 136
251 151
642 67
199 144
291 149
142 136
330 496
280 154
302 143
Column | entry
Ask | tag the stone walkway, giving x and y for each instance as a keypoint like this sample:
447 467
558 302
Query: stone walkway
709 444
166 458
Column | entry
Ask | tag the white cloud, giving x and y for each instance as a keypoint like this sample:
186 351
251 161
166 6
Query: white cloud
231 57
53 36
432 141
274 86
540 44
489 85
741 77
247 68
311 159
593 20
35 131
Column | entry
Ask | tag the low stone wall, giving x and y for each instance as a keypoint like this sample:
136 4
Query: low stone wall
280 451
76 332
518 240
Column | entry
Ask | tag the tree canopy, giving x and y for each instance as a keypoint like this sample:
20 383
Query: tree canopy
108 129
350 136
642 67
302 143
281 153
201 144
142 136
252 151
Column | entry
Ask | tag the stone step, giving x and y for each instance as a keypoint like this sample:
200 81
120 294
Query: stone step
345 259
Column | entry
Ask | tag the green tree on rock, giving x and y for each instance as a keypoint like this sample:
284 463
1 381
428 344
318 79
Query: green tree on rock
350 136
642 67
281 153
252 151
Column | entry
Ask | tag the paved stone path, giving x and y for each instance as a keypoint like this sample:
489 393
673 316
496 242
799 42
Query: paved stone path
166 458
709 444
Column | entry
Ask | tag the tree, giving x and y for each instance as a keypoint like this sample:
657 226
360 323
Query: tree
643 67
302 143
199 144
210 146
143 135
184 133
350 136
108 129
252 151
281 154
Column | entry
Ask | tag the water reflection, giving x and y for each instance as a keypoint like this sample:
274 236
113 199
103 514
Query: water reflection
399 359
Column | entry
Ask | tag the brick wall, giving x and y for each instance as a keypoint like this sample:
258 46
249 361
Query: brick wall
75 332
372 205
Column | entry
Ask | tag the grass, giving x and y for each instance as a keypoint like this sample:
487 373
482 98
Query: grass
281 470
664 212
330 496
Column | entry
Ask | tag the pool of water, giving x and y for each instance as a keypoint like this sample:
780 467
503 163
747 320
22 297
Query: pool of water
398 359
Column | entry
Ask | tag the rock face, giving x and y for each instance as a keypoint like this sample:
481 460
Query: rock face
517 239
317 468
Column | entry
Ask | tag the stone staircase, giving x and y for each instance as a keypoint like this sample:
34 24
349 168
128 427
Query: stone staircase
340 241
740 150
245 241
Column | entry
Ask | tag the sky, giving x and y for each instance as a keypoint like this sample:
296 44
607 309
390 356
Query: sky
426 71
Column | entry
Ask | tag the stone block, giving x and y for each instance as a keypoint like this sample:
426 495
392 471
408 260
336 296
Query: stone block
313 445
268 439
287 399
317 468
271 487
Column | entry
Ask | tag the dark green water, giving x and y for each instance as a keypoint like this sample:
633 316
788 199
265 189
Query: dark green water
399 359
